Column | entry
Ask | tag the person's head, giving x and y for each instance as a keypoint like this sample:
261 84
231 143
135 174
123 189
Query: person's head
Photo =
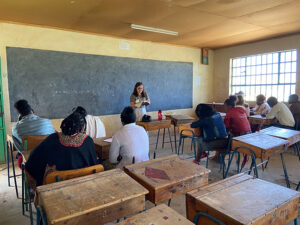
260 99
240 93
23 107
228 104
272 101
139 89
233 98
204 110
73 124
80 110
240 100
128 115
293 99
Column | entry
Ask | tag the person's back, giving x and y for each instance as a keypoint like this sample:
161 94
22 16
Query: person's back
236 119
134 142
61 152
212 127
29 124
295 107
282 113
131 141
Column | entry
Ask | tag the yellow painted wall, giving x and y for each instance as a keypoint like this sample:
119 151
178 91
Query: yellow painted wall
222 61
52 39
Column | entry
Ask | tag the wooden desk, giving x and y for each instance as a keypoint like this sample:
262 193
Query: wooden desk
157 125
102 147
263 146
241 200
219 107
292 136
160 215
185 128
222 115
177 176
94 199
177 120
258 119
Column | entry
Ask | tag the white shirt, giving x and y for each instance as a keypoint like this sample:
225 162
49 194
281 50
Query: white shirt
131 141
94 127
282 114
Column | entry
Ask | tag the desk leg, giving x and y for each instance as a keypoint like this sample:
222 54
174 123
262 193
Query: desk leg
163 143
157 138
296 221
23 210
175 137
298 150
170 139
169 202
285 171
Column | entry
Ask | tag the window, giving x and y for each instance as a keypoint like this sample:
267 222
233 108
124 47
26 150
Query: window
270 74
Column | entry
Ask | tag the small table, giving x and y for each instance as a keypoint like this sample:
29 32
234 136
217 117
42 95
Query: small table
160 215
167 177
157 125
260 120
94 199
102 147
177 120
242 200
263 146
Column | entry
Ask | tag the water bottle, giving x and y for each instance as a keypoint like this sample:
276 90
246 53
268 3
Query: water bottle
159 115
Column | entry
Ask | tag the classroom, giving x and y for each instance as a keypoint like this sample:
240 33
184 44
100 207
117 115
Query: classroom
157 112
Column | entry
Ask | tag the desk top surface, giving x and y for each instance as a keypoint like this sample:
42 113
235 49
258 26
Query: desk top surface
262 141
162 215
167 170
101 142
74 197
243 198
280 132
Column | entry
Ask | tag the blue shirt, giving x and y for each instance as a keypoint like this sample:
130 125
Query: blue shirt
213 127
30 125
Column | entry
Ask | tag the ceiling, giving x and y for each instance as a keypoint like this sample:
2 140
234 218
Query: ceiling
200 23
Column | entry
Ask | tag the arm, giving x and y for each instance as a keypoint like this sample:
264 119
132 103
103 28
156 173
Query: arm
147 98
114 151
132 101
17 139
199 123
273 112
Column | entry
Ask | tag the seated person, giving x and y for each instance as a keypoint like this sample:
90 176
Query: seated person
29 124
94 126
295 107
214 132
66 150
262 107
233 98
236 120
281 112
241 103
130 141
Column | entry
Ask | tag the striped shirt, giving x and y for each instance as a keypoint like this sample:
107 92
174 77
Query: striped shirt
30 125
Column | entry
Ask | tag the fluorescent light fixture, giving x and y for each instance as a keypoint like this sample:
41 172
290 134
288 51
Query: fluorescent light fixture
151 29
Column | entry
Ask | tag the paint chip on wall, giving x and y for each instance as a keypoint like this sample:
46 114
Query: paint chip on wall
124 45
197 81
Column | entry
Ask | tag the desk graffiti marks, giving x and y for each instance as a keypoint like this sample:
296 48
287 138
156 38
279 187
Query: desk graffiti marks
183 176
156 173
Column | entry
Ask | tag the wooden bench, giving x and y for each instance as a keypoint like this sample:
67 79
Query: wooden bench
94 199
167 177
241 200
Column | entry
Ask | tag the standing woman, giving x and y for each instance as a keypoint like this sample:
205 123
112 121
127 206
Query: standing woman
138 100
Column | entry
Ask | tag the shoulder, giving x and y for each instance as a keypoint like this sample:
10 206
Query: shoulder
132 97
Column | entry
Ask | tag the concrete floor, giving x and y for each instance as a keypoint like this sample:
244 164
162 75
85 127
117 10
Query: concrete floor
11 210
